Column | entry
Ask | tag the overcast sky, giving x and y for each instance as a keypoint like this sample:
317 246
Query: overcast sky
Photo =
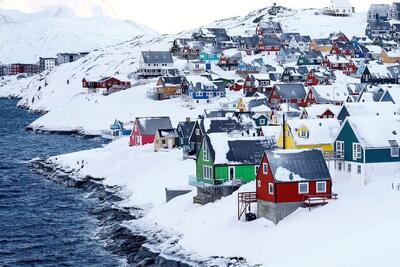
171 16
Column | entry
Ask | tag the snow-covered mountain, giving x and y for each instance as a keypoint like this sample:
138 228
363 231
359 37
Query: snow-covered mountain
27 36
50 92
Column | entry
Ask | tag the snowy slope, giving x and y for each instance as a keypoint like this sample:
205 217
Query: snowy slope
305 21
58 29
359 229
62 100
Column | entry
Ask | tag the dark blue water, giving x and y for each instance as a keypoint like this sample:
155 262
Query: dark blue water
42 223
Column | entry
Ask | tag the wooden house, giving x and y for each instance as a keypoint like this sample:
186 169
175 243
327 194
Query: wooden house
321 111
394 11
230 158
328 94
155 64
368 153
202 89
319 77
338 37
116 131
288 55
260 83
184 130
378 29
145 129
294 74
169 87
268 28
378 12
370 109
390 57
105 86
381 74
166 139
286 179
269 45
345 49
321 44
186 48
18 68
310 57
340 62
230 60
309 133
301 42
288 93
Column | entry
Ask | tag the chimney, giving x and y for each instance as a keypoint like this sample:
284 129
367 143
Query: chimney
187 119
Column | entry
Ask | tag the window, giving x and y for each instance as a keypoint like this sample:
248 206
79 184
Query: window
207 172
359 169
205 153
259 183
340 166
197 132
265 168
262 121
270 188
303 188
340 147
321 187
138 140
394 152
303 134
163 142
349 167
256 168
356 151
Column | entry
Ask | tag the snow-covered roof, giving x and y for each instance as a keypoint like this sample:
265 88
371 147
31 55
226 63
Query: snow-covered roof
315 111
335 92
272 131
298 165
372 109
384 128
337 59
194 79
393 90
341 3
150 125
374 49
238 150
320 131
261 109
395 53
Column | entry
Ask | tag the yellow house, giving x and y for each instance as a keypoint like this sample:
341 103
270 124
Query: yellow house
389 57
309 133
245 104
322 45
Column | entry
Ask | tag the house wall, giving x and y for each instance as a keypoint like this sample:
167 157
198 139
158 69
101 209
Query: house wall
245 173
348 137
276 212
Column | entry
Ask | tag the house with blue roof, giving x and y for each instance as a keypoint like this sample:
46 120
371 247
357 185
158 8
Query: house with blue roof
202 89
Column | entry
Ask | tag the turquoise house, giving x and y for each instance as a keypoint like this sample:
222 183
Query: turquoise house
368 147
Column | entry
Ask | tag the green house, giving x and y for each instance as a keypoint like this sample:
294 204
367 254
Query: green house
368 146
311 57
225 159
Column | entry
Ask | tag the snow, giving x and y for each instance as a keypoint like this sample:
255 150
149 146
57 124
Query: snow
335 92
372 109
320 131
393 53
284 175
219 142
374 49
315 111
61 31
261 109
337 59
272 131
384 128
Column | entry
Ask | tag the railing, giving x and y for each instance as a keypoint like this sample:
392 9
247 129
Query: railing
318 199
244 202
202 182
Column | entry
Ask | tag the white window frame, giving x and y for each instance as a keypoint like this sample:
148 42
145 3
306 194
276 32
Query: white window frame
321 191
265 168
303 134
395 152
258 183
206 154
357 151
197 131
207 172
349 167
229 173
262 121
271 188
305 192
359 169
340 146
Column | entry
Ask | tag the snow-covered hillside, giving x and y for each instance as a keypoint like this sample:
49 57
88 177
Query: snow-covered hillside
50 91
27 36
305 21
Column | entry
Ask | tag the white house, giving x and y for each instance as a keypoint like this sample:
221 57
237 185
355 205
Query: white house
156 63
340 8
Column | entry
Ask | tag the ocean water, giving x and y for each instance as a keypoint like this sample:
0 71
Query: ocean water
43 223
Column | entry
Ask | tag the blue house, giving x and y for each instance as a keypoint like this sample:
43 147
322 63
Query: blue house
116 131
202 89
210 54
248 67
365 152
392 94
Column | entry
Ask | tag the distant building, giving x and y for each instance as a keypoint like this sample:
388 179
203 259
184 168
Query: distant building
378 13
24 68
156 63
339 8
4 70
70 57
47 63
394 12
105 86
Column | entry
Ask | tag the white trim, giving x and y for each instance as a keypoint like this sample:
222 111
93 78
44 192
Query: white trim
394 152
271 188
265 168
308 188
318 191
258 183
357 151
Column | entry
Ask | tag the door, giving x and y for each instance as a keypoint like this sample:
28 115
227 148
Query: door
231 173
170 144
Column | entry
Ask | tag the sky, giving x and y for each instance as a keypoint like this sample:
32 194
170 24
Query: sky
171 16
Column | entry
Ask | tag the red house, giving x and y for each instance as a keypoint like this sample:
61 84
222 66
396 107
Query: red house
271 45
260 83
145 129
293 93
286 179
346 49
338 37
24 68
105 85
340 62
237 86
